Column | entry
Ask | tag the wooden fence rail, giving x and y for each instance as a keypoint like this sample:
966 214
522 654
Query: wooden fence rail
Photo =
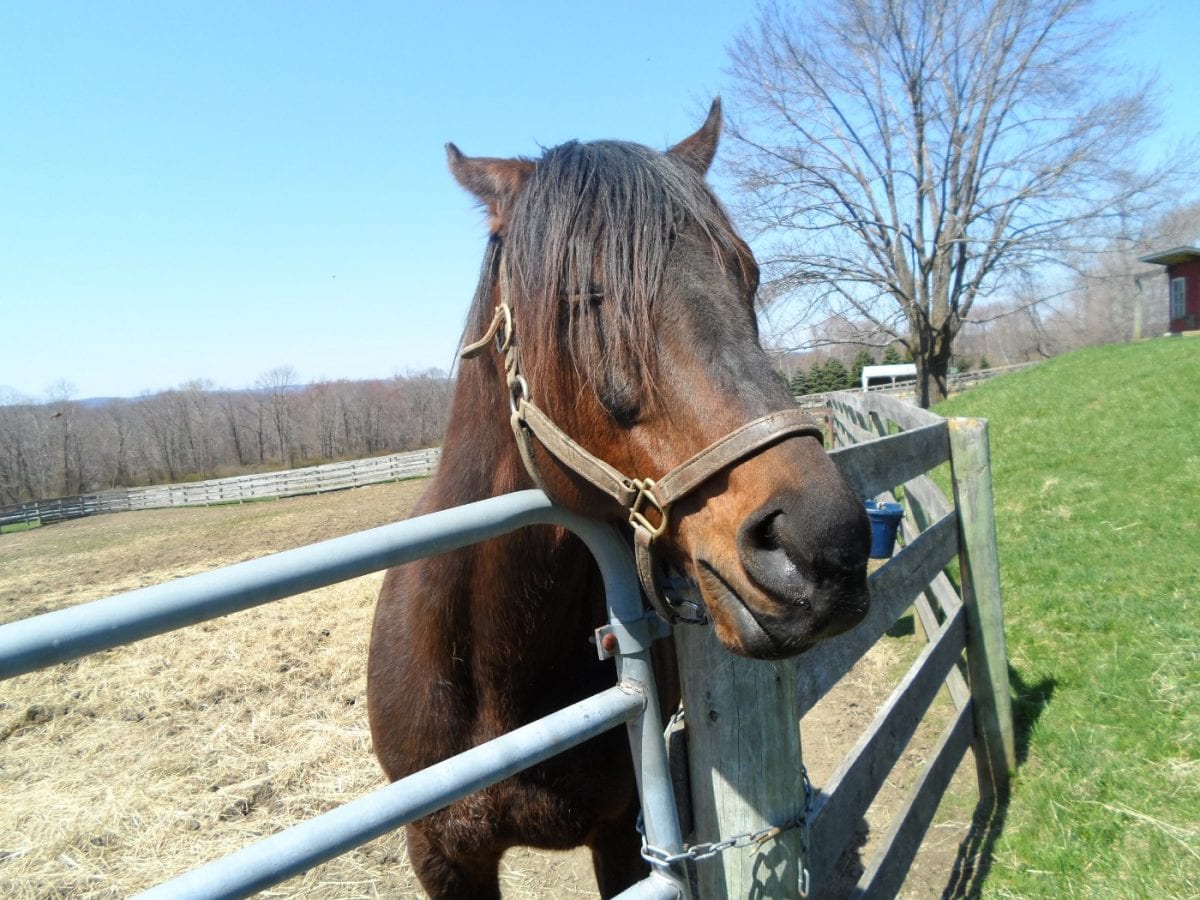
237 489
907 389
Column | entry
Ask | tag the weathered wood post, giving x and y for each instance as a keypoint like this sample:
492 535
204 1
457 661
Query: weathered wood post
987 657
745 767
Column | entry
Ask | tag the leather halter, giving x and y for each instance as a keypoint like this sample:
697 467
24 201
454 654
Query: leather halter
645 499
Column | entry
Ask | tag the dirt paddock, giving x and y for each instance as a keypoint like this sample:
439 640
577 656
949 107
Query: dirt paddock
133 765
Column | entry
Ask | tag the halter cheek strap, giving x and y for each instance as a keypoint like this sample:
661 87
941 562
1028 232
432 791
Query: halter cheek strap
648 501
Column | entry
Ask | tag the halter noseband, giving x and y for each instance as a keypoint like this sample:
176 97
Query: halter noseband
639 496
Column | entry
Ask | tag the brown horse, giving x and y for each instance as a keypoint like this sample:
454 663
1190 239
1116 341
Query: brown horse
631 298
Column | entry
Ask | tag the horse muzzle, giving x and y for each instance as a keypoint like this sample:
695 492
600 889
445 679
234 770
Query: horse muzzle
799 575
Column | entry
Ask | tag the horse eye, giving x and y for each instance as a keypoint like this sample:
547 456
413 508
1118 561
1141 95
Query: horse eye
619 394
627 416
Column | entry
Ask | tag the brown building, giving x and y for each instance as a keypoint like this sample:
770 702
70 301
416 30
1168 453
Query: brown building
1183 279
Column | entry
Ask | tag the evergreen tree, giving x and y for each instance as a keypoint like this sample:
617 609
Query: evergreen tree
816 379
861 361
836 375
800 384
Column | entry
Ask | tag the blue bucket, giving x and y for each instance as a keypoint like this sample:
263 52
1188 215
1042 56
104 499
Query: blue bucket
885 519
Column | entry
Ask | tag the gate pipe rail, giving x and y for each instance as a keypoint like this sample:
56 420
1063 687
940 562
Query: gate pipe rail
76 631
299 848
104 624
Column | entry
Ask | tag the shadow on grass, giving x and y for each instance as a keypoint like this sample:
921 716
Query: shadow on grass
974 859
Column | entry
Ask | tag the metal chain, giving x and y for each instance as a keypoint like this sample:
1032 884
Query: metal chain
697 852
656 856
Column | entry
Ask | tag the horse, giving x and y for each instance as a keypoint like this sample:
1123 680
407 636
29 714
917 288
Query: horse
613 331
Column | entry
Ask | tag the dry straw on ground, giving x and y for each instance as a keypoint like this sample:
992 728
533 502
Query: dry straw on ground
133 765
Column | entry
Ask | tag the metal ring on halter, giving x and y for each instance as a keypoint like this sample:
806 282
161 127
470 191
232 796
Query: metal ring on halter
677 601
518 390
500 329
505 334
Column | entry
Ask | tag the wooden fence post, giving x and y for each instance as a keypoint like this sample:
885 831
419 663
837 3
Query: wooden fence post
987 658
746 771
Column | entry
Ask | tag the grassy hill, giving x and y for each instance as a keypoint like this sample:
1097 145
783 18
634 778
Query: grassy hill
1096 464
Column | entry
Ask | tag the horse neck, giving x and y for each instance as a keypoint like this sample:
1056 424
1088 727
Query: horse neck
531 594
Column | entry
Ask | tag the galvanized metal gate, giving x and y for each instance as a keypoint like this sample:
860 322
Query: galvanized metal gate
103 624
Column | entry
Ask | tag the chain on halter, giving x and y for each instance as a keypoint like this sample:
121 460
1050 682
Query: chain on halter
647 501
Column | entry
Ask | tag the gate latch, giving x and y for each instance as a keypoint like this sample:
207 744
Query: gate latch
618 637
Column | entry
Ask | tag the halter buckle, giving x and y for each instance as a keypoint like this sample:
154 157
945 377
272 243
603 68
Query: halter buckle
644 499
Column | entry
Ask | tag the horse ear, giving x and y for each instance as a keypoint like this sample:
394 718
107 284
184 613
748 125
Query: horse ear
698 150
495 182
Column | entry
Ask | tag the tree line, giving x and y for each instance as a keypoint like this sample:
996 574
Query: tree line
63 447
832 374
1113 298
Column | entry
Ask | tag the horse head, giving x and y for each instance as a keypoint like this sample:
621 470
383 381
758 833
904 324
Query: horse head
623 300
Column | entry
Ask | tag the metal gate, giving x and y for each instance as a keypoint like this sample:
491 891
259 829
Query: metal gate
103 624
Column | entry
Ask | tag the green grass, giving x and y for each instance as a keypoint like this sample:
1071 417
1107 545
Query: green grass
20 526
1096 466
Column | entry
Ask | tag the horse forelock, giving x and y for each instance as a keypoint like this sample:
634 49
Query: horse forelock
586 251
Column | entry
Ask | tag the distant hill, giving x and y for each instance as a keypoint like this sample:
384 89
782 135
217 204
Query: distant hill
99 402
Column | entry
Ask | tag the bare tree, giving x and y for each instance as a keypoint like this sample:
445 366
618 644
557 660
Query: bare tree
421 407
276 387
326 418
238 416
1117 297
19 450
56 446
71 467
198 415
904 159
119 428
161 450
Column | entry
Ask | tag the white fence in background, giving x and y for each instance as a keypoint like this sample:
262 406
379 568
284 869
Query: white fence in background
236 489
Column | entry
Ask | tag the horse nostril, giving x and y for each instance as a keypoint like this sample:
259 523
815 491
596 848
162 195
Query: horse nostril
767 554
806 550
763 534
796 544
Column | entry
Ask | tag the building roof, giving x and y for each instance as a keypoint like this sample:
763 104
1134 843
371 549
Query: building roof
1173 257
893 371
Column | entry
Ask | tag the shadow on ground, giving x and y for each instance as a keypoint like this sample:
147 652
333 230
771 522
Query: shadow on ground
974 859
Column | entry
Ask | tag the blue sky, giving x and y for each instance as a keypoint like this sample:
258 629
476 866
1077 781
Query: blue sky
209 190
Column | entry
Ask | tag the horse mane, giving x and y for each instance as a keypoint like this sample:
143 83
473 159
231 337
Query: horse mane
586 251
